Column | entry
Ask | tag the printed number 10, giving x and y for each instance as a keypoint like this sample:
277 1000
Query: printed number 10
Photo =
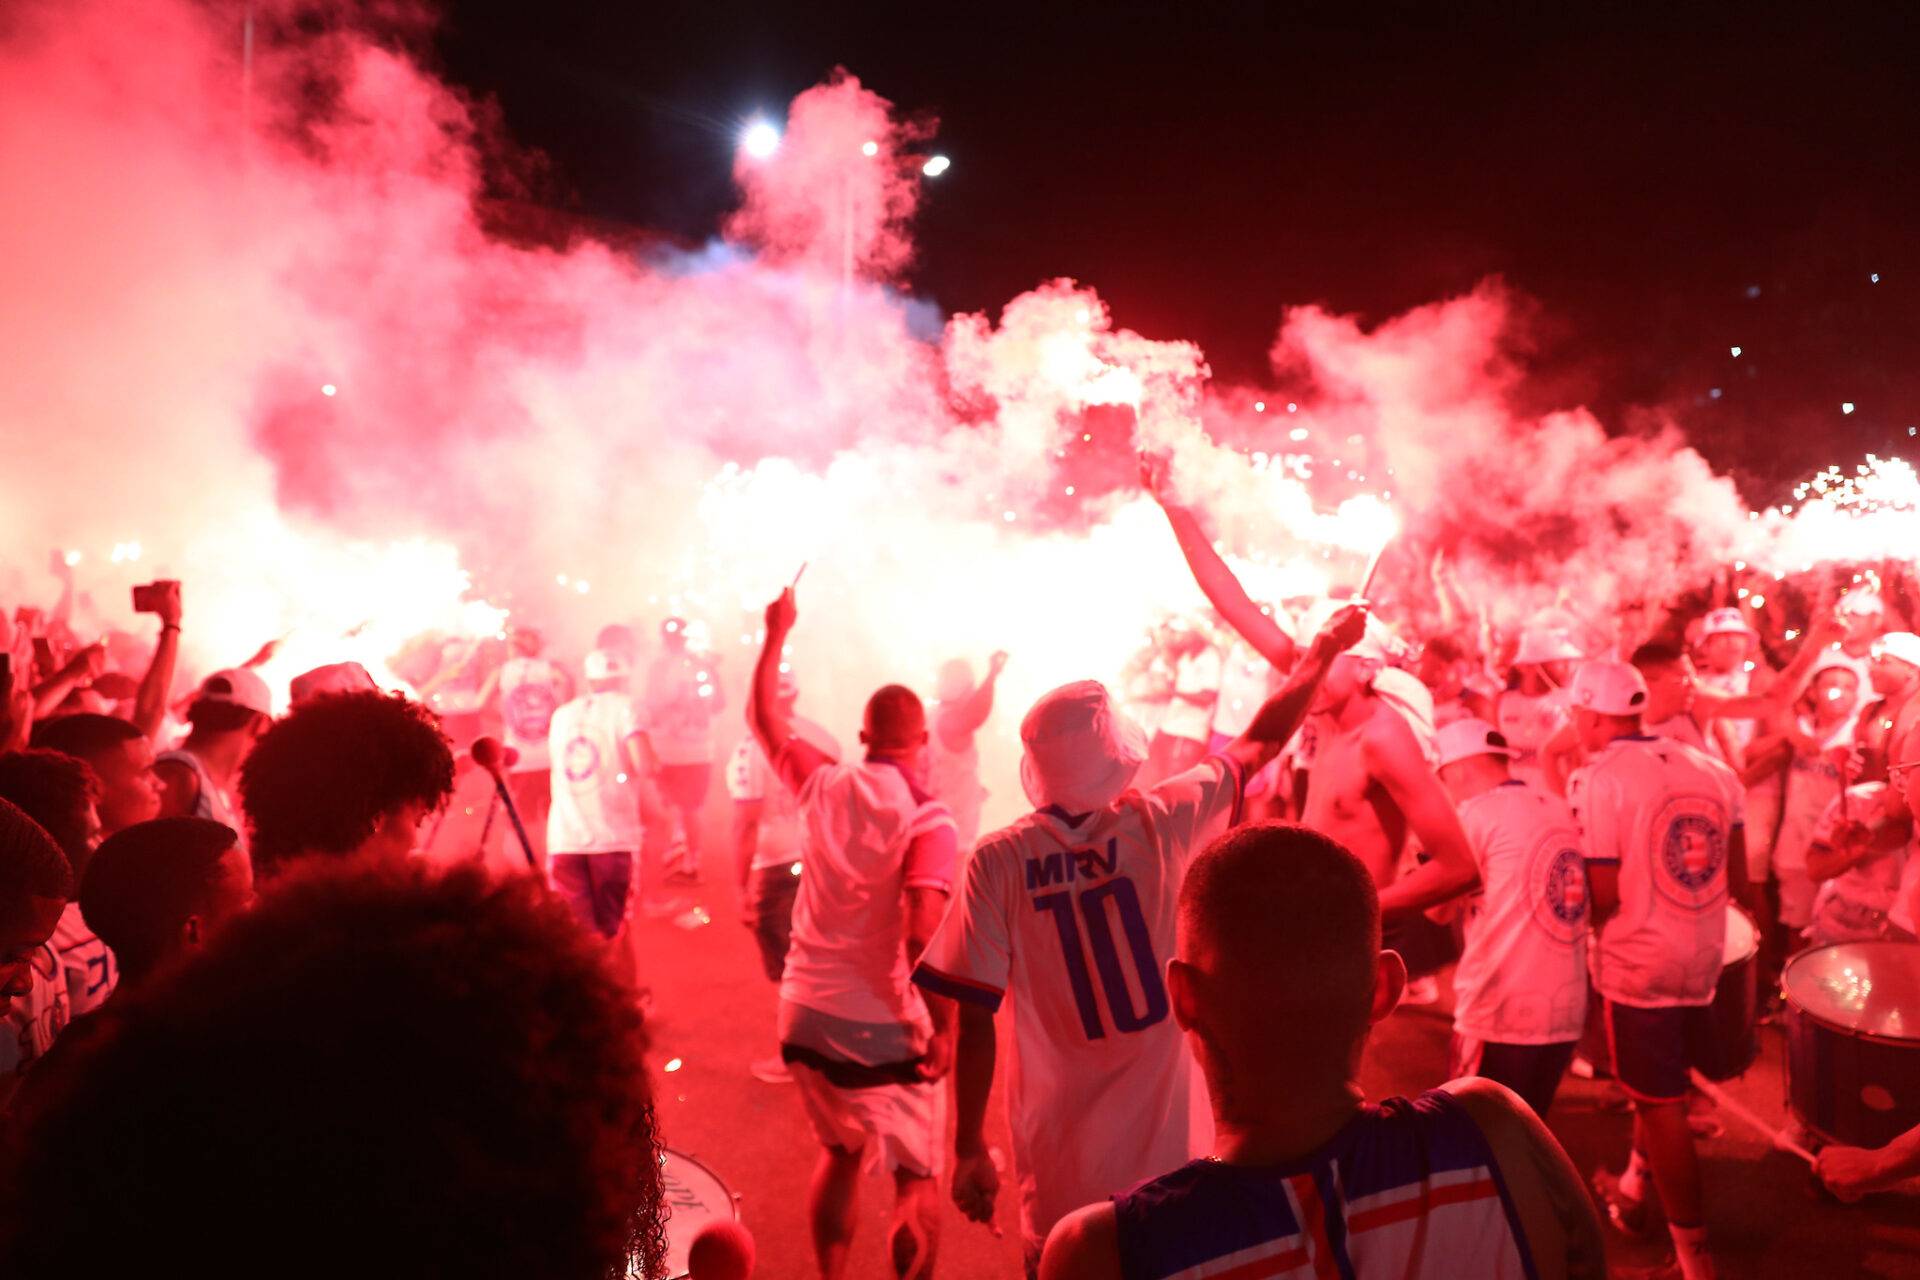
1106 956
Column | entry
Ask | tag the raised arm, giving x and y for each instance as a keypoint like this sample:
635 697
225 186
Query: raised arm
794 759
1784 691
974 711
1393 756
150 704
1216 581
1278 719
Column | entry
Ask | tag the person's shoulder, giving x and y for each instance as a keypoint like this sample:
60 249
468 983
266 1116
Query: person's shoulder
1497 1111
1084 1245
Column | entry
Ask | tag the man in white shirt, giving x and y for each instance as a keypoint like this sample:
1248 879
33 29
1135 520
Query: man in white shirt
531 688
1520 991
599 756
35 884
1071 909
60 793
864 1047
1663 825
768 849
682 698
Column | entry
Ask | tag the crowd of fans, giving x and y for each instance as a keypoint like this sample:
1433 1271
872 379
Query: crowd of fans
228 981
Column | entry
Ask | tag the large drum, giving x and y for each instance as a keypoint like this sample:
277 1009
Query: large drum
1732 1032
694 1196
1853 1040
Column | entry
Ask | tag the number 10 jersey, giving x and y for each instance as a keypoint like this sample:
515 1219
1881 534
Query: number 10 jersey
1072 916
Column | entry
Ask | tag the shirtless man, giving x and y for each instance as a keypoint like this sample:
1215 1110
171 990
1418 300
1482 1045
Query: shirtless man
1370 787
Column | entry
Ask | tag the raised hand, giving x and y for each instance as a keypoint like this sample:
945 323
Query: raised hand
782 613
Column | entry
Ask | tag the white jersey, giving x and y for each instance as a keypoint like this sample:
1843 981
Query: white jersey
1522 977
860 823
1854 904
1901 912
1076 920
1664 814
36 1020
1731 684
530 690
89 966
1526 721
596 804
751 780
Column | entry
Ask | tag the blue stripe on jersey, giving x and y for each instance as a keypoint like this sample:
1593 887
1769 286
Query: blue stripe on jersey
1202 1210
1410 1139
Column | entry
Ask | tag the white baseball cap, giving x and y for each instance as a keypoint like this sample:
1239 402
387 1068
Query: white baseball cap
1903 645
240 686
1608 688
1081 752
605 664
335 677
1539 646
1725 622
1467 738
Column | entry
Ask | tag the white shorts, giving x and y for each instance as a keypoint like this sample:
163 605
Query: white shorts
907 1122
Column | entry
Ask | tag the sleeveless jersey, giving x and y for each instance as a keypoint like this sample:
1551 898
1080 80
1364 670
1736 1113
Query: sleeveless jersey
1073 915
212 801
1408 1189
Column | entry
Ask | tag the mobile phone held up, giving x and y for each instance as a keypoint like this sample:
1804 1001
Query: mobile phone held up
148 596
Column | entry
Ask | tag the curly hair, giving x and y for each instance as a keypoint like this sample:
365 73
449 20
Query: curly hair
389 1069
320 780
55 790
31 864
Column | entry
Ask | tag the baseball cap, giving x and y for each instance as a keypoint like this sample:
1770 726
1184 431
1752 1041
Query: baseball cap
606 664
335 677
1903 645
1538 646
1080 752
1608 688
238 685
1724 622
1470 737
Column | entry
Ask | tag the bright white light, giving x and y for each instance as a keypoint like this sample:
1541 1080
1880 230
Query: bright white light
1873 278
328 389
869 149
1259 406
673 1064
1736 353
760 140
1846 406
72 558
937 165
1298 433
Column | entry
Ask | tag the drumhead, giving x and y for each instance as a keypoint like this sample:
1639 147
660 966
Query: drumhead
1743 937
694 1196
1868 987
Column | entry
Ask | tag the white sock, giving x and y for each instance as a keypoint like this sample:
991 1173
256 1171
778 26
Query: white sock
1690 1247
1633 1183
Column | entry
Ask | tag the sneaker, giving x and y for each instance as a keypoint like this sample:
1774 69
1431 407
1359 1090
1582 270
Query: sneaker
1628 1216
770 1071
1422 991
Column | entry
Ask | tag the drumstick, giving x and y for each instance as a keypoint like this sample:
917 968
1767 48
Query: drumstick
796 577
1725 1099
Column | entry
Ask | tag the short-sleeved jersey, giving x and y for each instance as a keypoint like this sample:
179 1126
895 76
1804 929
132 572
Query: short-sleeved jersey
751 780
35 1021
1664 814
1526 721
530 690
1074 917
860 824
1408 1189
1853 904
87 962
596 803
1522 977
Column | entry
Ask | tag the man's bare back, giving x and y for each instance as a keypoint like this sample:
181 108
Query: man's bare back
1345 800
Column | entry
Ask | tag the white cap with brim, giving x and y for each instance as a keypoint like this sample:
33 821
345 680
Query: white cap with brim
1540 647
1608 688
1464 739
240 686
335 677
1903 645
1081 752
1725 622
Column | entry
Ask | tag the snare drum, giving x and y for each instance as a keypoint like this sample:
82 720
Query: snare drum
1731 1038
1853 1040
694 1196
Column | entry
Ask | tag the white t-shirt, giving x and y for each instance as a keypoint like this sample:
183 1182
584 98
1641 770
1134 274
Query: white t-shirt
35 1021
859 823
530 690
89 966
1522 976
596 803
1663 814
1076 922
1736 683
1526 721
751 778
1853 904
1901 912
1195 676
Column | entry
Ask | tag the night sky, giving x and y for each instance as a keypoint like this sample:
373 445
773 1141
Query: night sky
1662 191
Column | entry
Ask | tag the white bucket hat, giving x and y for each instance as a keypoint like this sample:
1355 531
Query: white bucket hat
1081 752
1464 739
